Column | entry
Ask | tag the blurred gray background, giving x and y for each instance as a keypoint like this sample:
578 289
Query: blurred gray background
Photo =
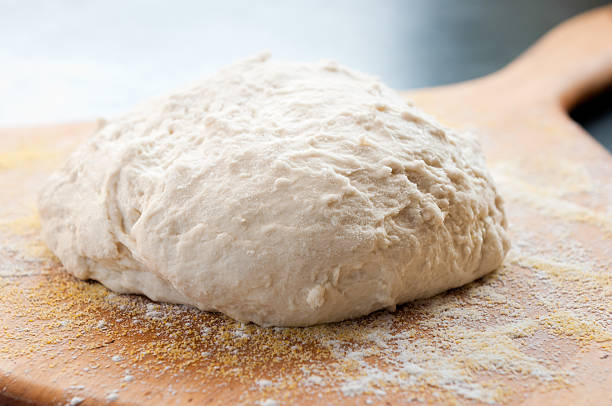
75 60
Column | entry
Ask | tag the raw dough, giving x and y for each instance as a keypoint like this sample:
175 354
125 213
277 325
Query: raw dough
279 193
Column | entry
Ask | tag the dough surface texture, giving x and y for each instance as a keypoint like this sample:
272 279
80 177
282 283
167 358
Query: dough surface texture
280 193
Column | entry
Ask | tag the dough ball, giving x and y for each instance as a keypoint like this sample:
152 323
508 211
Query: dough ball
280 193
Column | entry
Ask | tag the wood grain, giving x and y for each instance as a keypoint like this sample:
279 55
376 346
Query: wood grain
538 331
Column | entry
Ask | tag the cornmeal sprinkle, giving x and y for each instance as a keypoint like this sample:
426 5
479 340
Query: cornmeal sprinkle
521 329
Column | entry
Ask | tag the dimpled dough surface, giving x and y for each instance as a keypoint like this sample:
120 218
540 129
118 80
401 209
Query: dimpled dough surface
279 193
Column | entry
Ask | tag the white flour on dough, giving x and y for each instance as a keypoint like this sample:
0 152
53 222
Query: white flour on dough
279 193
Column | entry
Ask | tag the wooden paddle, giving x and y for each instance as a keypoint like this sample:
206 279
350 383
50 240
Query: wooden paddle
538 331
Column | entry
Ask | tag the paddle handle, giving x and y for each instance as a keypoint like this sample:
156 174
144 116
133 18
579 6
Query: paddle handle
570 63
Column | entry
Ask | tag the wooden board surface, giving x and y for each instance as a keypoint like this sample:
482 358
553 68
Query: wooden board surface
537 331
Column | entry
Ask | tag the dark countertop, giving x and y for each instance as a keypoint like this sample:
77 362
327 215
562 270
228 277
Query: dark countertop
67 61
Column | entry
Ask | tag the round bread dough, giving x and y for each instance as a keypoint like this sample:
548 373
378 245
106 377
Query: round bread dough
280 193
